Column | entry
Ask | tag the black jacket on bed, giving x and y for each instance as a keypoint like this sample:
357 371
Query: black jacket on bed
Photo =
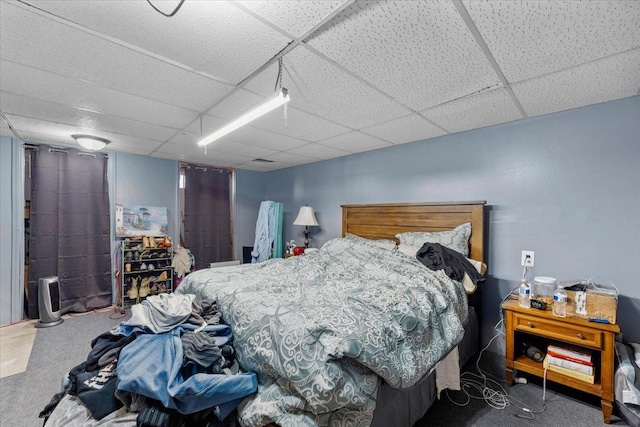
438 257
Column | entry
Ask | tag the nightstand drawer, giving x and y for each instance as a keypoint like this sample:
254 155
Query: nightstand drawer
559 330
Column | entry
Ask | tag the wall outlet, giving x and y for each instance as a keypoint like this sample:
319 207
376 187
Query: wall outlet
528 258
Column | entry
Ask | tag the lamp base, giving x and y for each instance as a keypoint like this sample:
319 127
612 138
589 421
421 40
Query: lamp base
306 236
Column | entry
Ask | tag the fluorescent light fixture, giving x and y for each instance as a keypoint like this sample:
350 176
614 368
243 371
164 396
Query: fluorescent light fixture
271 103
92 143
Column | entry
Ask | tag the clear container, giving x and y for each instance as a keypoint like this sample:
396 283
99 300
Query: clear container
560 303
543 289
524 294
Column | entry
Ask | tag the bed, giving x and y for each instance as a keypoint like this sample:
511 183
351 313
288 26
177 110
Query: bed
351 334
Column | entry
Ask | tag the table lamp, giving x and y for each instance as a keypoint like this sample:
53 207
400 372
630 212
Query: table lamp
306 217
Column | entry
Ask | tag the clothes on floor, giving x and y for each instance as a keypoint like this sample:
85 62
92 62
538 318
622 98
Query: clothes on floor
161 313
172 362
151 365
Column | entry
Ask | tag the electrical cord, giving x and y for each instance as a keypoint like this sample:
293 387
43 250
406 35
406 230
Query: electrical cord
483 386
168 15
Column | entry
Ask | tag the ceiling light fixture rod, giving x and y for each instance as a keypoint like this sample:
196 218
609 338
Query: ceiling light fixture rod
288 48
271 103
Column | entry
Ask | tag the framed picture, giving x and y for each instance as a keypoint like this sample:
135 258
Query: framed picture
134 220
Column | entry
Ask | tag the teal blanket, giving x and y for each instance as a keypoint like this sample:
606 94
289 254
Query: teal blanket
316 329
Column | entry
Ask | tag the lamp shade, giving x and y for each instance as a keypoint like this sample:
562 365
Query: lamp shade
89 142
306 216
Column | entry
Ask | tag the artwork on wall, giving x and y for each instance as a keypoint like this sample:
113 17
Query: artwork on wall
133 220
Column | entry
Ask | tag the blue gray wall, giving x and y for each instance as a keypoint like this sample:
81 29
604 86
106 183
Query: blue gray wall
11 230
564 185
249 192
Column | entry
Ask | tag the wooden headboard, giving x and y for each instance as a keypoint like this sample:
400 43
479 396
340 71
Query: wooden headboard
384 221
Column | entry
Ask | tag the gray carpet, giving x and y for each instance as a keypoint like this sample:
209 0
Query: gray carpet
55 351
565 407
58 349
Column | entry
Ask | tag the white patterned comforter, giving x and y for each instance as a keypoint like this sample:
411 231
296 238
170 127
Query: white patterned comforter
317 328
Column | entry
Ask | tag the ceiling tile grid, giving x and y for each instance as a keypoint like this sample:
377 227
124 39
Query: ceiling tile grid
420 53
319 151
199 152
412 127
61 133
532 38
36 83
355 142
301 125
483 109
604 80
198 36
293 17
289 158
319 87
189 140
31 39
378 73
18 105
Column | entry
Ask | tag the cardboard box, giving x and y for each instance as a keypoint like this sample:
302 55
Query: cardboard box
598 305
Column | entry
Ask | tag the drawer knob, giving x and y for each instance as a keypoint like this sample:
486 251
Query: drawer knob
529 324
580 336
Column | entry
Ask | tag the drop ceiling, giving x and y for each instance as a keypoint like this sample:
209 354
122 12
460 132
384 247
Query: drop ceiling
362 75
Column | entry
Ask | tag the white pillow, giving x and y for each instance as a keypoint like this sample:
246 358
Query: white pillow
381 243
409 250
456 239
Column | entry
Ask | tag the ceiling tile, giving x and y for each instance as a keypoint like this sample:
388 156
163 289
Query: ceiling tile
263 167
61 49
199 35
319 87
611 78
35 83
198 152
419 52
532 38
289 158
301 125
293 17
262 138
318 151
412 127
355 142
475 111
195 159
51 112
61 133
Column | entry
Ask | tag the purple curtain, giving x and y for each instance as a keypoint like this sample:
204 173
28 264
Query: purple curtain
69 228
207 215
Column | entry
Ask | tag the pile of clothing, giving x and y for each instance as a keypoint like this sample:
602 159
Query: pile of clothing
171 364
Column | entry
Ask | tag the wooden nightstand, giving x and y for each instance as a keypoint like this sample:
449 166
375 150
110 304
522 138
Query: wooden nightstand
523 324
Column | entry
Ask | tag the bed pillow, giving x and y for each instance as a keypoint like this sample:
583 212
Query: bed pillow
409 250
381 243
456 239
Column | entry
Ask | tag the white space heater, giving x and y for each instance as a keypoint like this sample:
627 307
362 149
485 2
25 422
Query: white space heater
49 302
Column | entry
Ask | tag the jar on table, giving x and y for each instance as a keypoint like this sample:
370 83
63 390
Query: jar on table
543 289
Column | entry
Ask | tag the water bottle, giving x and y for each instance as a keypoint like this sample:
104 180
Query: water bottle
524 294
560 303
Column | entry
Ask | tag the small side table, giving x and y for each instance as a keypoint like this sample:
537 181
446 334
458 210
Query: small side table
522 322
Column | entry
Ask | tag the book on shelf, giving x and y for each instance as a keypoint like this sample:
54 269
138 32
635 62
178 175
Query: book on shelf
569 364
568 372
573 353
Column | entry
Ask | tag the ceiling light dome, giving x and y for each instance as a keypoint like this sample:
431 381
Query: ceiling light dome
89 142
